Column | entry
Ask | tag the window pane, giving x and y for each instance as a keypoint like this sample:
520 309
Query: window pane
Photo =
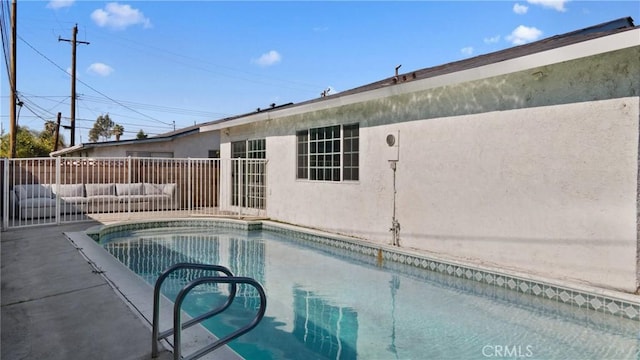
351 156
336 174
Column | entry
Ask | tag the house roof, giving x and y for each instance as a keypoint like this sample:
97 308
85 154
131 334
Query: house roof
554 42
159 138
592 32
558 41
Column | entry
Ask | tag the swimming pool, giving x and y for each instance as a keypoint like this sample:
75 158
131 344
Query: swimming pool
328 303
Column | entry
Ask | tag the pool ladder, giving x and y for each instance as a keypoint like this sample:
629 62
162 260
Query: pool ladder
178 326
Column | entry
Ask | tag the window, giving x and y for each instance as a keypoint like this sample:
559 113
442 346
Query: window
350 152
239 149
328 153
257 149
303 154
248 181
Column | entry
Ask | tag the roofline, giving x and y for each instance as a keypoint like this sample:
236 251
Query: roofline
159 138
578 46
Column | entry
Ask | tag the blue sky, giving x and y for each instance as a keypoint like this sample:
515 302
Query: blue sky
152 63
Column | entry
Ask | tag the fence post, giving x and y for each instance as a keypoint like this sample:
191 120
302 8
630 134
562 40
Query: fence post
189 180
241 182
5 193
264 186
129 184
57 186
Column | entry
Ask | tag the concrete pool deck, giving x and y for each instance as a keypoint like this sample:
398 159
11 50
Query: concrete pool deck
55 305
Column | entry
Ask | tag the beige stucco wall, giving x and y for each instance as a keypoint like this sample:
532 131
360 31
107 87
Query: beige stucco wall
533 171
551 190
548 190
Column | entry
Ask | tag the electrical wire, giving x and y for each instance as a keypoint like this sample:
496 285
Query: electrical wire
211 67
89 86
165 109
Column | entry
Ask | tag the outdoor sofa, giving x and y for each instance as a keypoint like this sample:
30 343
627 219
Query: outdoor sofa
40 200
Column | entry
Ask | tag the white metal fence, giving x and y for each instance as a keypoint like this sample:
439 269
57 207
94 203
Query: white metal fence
43 191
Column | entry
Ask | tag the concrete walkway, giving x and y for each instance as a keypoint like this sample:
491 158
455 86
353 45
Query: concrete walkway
56 306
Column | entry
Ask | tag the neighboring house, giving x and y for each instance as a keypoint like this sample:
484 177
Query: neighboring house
182 143
522 159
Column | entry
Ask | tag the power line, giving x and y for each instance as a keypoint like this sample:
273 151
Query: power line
252 76
89 86
74 45
165 109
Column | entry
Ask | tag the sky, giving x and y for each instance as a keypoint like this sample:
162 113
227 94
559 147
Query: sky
156 65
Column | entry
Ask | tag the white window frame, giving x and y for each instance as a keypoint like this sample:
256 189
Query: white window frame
312 143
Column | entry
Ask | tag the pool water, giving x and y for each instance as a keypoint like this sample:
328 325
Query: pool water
325 304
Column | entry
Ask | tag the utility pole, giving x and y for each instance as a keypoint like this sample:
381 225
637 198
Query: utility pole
13 121
74 43
57 137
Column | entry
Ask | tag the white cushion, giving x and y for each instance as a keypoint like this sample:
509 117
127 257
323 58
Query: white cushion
129 189
100 189
153 189
68 190
169 189
37 202
32 191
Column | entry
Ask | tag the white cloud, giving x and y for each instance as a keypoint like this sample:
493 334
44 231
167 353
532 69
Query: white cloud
58 4
520 9
467 50
524 34
492 40
557 5
100 69
268 59
119 17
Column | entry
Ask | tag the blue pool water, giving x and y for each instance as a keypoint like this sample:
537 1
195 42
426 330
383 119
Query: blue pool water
324 304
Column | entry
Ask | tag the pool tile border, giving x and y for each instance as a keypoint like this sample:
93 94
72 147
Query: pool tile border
566 295
601 303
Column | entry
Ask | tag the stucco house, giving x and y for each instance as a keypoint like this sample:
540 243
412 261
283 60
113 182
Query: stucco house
525 159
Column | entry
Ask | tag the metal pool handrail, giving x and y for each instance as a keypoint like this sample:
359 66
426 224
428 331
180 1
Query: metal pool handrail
214 280
178 326
157 336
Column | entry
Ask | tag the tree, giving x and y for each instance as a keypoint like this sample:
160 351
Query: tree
48 135
29 143
141 135
101 128
117 131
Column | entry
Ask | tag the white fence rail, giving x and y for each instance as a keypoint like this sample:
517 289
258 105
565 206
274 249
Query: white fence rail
43 191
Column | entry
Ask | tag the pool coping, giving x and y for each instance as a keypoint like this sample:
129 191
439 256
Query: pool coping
582 296
138 295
